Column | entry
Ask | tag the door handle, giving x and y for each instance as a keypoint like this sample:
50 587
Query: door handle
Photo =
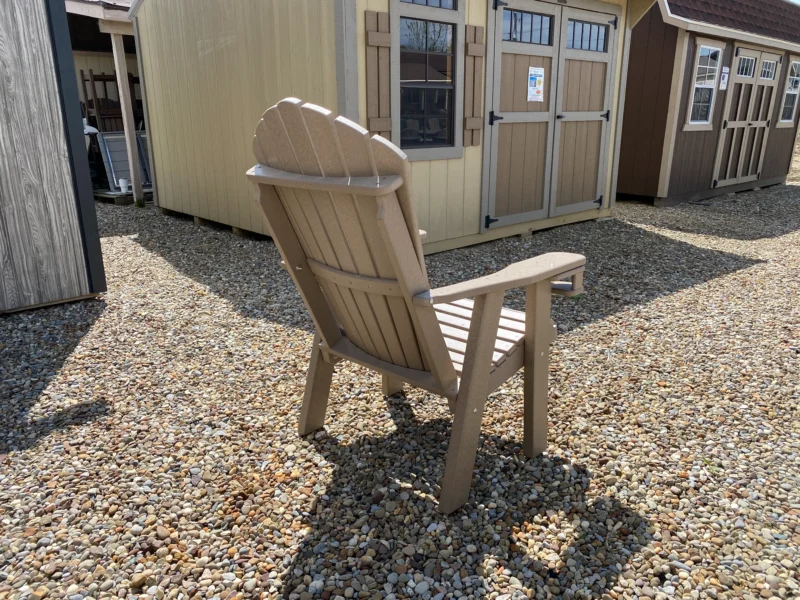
559 116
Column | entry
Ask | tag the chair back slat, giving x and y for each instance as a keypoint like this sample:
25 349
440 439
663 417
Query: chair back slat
341 235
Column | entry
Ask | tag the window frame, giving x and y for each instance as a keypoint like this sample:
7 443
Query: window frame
780 123
701 43
457 18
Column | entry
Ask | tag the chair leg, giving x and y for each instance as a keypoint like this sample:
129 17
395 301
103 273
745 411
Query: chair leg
318 388
538 336
471 400
390 385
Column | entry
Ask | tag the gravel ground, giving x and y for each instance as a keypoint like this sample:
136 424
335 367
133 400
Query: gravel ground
148 446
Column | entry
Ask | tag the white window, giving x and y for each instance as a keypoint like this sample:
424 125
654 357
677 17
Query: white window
705 83
768 69
747 66
789 107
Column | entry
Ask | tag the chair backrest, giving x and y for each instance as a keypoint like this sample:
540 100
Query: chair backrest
363 248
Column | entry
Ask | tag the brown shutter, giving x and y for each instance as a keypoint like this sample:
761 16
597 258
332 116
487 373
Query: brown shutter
379 116
473 80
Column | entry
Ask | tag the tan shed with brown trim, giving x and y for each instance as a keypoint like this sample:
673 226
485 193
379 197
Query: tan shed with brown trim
534 148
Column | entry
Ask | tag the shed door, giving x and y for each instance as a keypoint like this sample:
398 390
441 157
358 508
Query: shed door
550 111
583 128
747 117
526 46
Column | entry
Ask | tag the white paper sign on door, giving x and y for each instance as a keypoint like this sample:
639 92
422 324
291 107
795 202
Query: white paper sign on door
535 84
723 81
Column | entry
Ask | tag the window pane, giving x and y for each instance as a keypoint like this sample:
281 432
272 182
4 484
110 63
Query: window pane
787 114
713 58
527 25
516 26
506 24
795 69
700 112
440 37
412 34
536 32
437 112
449 4
412 66
412 102
435 3
586 36
440 68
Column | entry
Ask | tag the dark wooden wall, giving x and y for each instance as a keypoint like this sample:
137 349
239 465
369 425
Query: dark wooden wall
43 252
695 151
780 144
652 57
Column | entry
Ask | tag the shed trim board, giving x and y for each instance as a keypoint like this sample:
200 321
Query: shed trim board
79 165
151 163
346 58
675 97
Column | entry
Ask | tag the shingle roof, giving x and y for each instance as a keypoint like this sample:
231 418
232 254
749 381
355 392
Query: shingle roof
770 18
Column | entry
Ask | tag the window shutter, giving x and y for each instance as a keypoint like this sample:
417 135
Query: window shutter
473 84
379 116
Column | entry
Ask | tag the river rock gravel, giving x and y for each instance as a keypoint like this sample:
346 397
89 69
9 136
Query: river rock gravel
148 444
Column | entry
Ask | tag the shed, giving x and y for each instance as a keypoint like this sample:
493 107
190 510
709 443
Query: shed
49 244
533 149
711 101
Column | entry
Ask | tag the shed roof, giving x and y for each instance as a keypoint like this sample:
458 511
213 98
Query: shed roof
779 19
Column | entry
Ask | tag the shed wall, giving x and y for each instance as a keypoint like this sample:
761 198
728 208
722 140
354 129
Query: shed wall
695 151
212 68
650 66
41 245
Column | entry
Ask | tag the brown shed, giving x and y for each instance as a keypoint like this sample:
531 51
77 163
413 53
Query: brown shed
711 105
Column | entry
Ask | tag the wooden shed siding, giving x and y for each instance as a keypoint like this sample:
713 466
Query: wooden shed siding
100 62
780 144
695 151
41 246
212 68
653 46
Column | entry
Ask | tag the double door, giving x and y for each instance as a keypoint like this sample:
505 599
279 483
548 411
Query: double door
747 116
550 109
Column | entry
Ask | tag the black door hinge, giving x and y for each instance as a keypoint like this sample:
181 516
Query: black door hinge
488 222
769 123
737 51
599 202
758 176
499 3
493 117
715 183
607 115
725 124
614 22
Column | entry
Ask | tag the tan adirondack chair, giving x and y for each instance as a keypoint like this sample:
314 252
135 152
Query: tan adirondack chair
341 213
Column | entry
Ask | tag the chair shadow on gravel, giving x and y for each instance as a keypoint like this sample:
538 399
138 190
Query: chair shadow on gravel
749 216
367 481
26 369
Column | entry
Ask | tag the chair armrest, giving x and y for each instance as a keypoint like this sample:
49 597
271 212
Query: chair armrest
540 268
